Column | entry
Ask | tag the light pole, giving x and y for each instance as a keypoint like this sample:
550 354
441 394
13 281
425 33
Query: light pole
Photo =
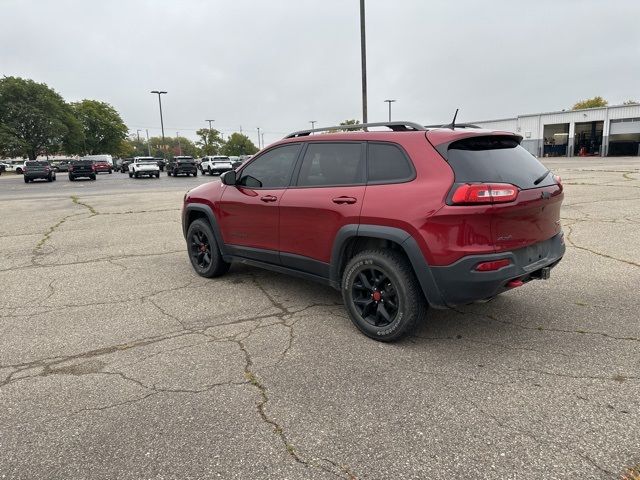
210 130
160 92
258 138
363 57
262 139
313 123
148 144
389 102
138 133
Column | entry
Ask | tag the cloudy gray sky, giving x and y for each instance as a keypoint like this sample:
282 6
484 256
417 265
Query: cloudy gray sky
278 64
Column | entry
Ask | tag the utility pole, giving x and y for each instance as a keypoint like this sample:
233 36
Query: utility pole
138 133
160 92
179 146
313 124
363 55
148 144
389 102
210 131
262 139
258 138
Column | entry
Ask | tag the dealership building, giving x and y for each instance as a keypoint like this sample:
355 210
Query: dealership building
603 131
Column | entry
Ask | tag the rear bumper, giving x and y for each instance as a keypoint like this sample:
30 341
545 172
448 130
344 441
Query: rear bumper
37 175
460 284
185 169
219 169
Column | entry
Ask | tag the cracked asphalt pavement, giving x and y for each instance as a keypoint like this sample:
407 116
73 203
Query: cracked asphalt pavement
117 361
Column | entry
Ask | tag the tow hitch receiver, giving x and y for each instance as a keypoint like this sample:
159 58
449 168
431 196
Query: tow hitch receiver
542 274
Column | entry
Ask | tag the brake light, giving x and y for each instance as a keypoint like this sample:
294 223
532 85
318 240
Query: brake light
93 168
492 266
478 193
558 181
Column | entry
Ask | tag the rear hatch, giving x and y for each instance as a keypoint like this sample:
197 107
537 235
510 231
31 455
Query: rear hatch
81 167
524 196
37 168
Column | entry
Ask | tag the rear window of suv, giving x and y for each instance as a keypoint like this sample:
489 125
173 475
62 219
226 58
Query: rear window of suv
496 159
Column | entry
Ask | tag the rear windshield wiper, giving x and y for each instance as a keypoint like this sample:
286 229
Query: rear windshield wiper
541 177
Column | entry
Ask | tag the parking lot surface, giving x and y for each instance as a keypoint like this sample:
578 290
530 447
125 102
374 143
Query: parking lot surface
117 361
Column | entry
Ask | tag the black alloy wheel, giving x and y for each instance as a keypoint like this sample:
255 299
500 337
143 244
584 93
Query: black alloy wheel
200 248
374 296
203 250
382 294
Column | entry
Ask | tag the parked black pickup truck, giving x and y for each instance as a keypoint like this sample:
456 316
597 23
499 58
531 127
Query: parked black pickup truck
182 165
82 168
38 169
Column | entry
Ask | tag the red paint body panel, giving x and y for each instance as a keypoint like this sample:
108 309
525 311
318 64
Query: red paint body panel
310 220
246 219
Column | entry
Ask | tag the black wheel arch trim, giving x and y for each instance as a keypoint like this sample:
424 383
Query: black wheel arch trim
199 207
408 244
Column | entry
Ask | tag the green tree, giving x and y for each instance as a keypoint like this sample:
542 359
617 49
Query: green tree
210 141
590 103
103 128
34 120
352 121
132 147
238 144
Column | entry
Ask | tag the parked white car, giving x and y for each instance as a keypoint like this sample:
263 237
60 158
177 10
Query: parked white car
144 166
215 164
15 166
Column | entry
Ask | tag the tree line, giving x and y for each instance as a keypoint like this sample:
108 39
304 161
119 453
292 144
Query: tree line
36 120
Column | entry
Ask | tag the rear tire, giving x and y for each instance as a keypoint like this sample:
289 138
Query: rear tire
157 174
93 177
26 180
49 178
382 295
110 171
195 173
203 250
136 175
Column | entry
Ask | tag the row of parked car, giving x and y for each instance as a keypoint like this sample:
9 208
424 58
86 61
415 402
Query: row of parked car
178 165
136 167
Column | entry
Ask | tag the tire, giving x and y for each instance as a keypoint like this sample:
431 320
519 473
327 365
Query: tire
93 177
158 175
195 173
49 178
200 241
210 172
71 178
388 275
19 171
169 172
110 171
54 177
135 174
26 180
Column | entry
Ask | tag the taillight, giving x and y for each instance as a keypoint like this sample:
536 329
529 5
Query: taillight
477 193
93 168
558 181
493 265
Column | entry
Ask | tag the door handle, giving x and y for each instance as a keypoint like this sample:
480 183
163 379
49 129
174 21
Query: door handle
342 200
268 198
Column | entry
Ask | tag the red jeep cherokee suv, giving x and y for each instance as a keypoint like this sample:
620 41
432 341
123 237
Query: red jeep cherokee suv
397 220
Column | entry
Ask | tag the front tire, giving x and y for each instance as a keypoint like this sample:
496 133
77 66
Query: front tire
382 295
203 250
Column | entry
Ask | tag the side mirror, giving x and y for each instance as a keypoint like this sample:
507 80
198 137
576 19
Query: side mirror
228 178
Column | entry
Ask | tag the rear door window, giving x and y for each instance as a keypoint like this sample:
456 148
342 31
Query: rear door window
329 164
496 159
387 163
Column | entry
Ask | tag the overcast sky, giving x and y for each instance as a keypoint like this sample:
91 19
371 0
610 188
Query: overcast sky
278 64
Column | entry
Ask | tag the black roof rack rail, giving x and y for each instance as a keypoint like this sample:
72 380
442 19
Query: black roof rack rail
395 126
458 125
